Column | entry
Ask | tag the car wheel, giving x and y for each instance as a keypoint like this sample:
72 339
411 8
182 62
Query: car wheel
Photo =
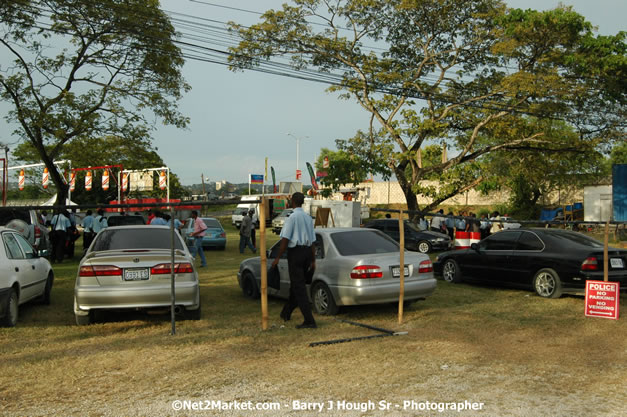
10 308
84 320
547 283
222 247
45 297
451 271
424 246
323 300
193 314
249 285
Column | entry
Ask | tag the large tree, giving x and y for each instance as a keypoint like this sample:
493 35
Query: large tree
471 76
85 69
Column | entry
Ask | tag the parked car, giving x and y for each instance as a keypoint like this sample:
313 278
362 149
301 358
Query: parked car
279 221
549 261
238 215
129 267
215 236
354 266
24 275
423 241
27 222
126 220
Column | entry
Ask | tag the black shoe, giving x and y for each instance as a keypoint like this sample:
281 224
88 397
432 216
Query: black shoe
285 315
307 326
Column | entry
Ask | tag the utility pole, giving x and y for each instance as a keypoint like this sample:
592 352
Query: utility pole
202 178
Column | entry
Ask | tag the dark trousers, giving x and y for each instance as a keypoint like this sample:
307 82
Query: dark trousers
59 238
88 237
253 238
298 262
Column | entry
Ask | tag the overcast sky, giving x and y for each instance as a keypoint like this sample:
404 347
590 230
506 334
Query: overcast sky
239 119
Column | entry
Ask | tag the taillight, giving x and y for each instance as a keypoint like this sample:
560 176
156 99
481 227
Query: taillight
100 271
425 266
184 268
366 271
590 264
222 234
37 232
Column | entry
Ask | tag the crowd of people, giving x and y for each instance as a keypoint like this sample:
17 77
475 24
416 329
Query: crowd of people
468 222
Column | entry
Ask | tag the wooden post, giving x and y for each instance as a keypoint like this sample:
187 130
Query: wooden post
264 264
605 255
401 229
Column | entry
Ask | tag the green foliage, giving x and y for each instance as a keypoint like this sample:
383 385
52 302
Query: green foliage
104 76
485 76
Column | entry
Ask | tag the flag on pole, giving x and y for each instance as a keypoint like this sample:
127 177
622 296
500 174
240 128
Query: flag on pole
273 180
21 180
314 184
45 179
255 179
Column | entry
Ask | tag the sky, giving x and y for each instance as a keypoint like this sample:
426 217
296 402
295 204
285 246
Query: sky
239 119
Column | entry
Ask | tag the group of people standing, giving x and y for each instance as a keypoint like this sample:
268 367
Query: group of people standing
466 222
64 233
247 232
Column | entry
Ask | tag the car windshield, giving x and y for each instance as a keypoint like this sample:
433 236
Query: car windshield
135 238
212 223
363 242
125 220
412 226
240 210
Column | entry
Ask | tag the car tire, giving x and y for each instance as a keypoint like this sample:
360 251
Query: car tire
249 285
45 297
222 247
547 283
323 301
193 314
423 246
451 271
11 309
84 320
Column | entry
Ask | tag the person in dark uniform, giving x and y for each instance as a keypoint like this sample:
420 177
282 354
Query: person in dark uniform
298 238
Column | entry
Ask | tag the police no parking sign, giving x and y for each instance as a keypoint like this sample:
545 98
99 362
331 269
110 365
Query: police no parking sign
602 299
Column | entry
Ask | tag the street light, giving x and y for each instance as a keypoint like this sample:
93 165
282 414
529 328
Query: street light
297 148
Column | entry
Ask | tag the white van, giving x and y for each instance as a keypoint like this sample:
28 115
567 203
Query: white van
276 204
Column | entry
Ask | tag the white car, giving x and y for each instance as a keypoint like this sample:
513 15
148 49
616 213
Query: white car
24 275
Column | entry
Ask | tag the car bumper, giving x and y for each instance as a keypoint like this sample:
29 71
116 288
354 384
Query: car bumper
378 294
85 299
214 243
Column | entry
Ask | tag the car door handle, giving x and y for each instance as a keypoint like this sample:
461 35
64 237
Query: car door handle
17 269
32 266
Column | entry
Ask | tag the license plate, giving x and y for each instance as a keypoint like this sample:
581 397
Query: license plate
616 263
396 271
136 274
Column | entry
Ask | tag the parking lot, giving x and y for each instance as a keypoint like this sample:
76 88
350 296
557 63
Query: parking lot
512 351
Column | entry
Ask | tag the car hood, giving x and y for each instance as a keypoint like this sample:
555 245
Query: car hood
434 235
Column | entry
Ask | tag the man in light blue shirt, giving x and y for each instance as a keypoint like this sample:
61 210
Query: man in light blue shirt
158 220
298 238
88 230
100 222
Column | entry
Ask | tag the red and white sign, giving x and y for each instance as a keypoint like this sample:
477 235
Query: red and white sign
325 162
299 174
45 179
72 181
88 181
162 180
602 299
21 180
105 180
124 182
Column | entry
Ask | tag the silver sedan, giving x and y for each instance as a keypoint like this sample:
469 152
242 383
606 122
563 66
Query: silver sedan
353 266
128 267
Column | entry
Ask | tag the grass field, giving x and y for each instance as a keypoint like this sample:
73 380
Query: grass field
516 353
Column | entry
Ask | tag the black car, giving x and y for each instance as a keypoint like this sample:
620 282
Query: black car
549 261
423 241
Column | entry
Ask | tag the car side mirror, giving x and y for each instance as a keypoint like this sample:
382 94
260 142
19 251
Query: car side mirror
475 247
43 253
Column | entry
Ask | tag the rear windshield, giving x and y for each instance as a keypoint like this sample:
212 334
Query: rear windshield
212 223
363 242
135 238
125 220
7 215
577 238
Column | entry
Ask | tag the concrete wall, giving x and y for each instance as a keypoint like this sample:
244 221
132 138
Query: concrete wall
389 192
